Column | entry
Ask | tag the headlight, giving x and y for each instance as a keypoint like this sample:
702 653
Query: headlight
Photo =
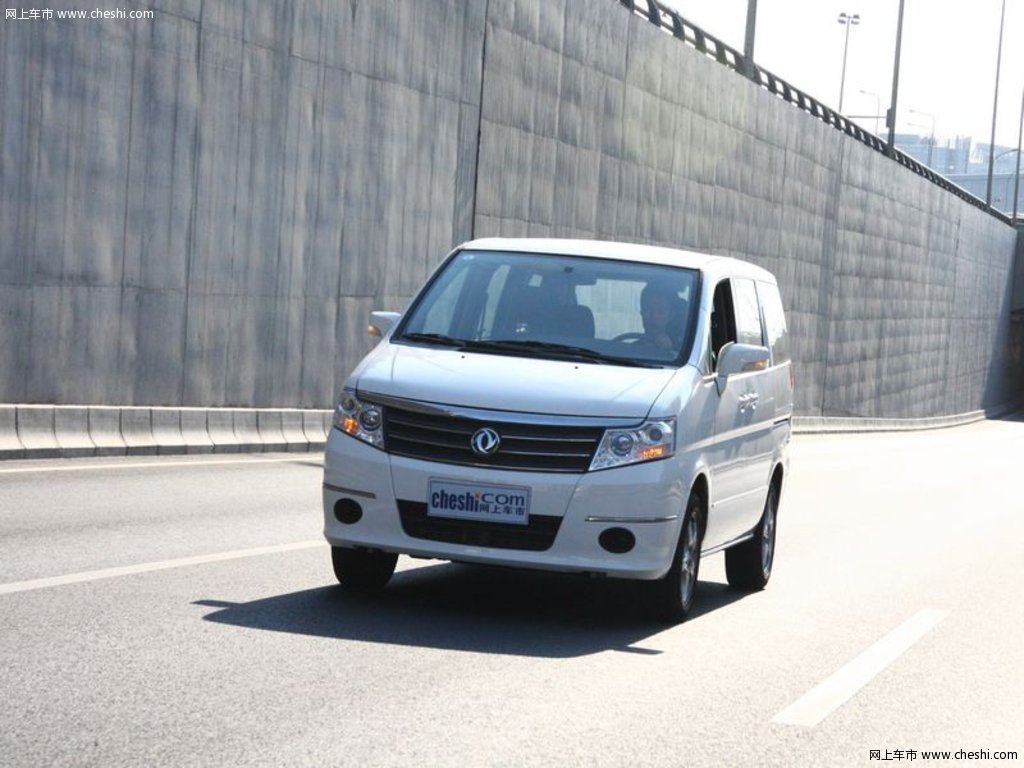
364 421
650 441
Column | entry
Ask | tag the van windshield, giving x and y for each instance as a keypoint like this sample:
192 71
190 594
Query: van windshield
559 307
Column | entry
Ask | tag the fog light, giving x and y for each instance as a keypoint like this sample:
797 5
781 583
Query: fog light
347 511
618 541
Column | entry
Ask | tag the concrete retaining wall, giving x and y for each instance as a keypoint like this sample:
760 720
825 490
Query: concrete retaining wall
198 211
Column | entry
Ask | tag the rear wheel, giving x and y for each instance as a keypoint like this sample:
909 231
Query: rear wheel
748 566
674 592
362 569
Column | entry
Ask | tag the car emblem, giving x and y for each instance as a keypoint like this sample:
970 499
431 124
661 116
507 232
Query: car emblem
485 441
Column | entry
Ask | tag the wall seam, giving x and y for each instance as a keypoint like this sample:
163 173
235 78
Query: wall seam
480 119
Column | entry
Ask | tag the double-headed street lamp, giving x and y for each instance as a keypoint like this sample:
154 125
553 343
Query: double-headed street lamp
847 21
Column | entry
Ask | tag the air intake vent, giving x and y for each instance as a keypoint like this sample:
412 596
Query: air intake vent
536 536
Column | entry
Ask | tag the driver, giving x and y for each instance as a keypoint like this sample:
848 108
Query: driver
656 305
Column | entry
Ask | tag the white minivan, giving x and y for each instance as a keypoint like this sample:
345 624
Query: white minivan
569 405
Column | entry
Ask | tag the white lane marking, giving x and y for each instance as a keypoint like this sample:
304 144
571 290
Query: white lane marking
822 700
160 565
145 465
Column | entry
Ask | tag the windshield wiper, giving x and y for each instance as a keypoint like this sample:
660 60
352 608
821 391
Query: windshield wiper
548 348
433 338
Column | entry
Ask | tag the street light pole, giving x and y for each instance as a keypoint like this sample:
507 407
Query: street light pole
1016 176
748 40
846 21
890 117
995 105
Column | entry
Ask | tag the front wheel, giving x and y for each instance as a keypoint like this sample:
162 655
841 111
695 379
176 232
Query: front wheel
674 592
361 569
748 566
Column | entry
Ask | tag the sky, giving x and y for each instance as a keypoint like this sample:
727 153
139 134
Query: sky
947 60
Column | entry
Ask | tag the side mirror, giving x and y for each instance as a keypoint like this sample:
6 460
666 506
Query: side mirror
381 323
740 358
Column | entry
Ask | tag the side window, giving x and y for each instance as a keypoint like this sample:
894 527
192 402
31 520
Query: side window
723 321
775 322
748 317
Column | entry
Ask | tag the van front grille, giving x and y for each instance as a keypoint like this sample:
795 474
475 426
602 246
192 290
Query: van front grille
528 447
536 536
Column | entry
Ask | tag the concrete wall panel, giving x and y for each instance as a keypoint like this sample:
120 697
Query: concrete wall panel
71 428
35 424
10 444
137 430
105 431
167 430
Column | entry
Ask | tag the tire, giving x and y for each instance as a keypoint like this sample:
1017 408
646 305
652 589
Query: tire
748 566
675 591
361 569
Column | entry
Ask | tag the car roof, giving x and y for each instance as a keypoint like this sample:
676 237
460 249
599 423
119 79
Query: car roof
620 251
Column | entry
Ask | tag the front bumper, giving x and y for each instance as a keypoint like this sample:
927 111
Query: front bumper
646 499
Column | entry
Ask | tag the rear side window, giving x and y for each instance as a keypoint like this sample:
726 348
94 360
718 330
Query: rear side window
748 317
775 322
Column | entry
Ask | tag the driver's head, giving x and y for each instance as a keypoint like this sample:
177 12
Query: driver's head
655 308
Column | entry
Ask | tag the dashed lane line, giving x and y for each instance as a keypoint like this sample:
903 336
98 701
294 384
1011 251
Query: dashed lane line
144 465
826 697
160 565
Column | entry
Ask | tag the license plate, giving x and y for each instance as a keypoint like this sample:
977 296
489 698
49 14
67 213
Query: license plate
476 501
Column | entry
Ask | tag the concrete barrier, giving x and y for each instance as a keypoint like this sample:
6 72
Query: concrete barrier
270 425
167 430
71 428
818 425
247 432
105 431
221 428
194 431
36 433
313 427
137 431
10 445
291 429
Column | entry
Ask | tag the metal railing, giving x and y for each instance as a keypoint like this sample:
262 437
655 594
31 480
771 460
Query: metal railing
709 45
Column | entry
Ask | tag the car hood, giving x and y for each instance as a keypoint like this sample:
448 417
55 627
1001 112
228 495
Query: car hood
501 382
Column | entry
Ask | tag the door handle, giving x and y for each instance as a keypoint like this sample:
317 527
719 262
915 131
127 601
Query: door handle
748 400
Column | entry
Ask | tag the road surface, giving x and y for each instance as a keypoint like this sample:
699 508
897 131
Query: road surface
182 611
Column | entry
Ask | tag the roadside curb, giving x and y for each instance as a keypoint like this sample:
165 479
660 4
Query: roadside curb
64 431
830 425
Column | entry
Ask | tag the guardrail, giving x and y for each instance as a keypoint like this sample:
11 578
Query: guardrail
709 45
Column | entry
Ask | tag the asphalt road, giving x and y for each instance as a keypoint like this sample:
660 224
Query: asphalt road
170 612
